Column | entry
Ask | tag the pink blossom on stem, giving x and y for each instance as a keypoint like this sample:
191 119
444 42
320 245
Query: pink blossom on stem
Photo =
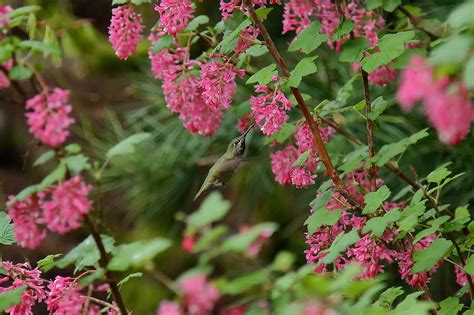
168 308
174 15
4 20
48 117
383 75
461 276
301 177
282 162
247 37
64 297
66 204
124 30
269 110
27 217
297 15
188 243
304 137
4 80
19 275
199 295
218 83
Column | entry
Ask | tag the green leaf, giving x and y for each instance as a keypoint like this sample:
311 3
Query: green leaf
391 5
20 72
257 50
286 131
391 46
163 42
302 158
373 4
353 50
322 199
136 254
435 224
438 174
453 51
340 244
264 75
77 163
377 225
116 2
127 145
373 200
198 20
85 254
450 306
97 274
130 276
47 263
426 258
213 209
469 267
353 160
241 241
461 16
305 67
210 237
7 237
138 2
308 39
389 151
387 297
245 283
343 29
262 13
411 305
55 176
45 157
321 217
73 148
229 42
11 297
25 10
25 193
379 105
468 76
40 46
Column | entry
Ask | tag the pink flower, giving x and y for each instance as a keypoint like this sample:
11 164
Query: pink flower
450 112
304 137
27 217
297 15
461 276
66 204
248 36
270 109
282 162
416 82
174 15
22 275
383 75
300 177
188 243
4 80
313 308
168 308
199 295
124 30
218 83
64 297
256 246
4 20
48 117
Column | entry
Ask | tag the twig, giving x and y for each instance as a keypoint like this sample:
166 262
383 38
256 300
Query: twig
313 125
103 262
416 22
370 131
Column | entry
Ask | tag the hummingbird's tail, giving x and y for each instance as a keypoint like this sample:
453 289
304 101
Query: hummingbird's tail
199 193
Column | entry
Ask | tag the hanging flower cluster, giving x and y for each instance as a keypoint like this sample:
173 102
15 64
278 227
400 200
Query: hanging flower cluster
62 296
445 101
48 116
174 15
124 30
60 209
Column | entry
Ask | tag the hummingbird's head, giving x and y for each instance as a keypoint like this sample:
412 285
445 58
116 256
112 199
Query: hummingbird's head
236 147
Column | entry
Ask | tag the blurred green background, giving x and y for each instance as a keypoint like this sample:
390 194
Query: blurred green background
144 193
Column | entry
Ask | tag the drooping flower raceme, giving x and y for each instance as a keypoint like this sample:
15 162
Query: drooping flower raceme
383 75
49 118
174 15
168 308
199 295
64 297
66 204
19 275
125 30
28 220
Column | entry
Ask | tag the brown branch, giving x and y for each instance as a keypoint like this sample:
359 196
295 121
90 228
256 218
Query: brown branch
370 131
313 125
415 21
103 262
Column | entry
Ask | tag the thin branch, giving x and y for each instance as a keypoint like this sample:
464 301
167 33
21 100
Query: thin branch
415 21
313 125
103 262
370 131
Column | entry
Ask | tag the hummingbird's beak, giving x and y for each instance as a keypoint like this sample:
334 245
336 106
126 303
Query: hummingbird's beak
248 130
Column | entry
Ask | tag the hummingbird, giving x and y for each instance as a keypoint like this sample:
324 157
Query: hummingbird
226 165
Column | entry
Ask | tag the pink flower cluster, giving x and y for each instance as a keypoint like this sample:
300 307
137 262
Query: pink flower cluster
269 109
4 80
4 20
174 15
48 117
297 15
255 247
282 161
227 8
60 209
62 296
124 30
199 296
382 76
445 101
